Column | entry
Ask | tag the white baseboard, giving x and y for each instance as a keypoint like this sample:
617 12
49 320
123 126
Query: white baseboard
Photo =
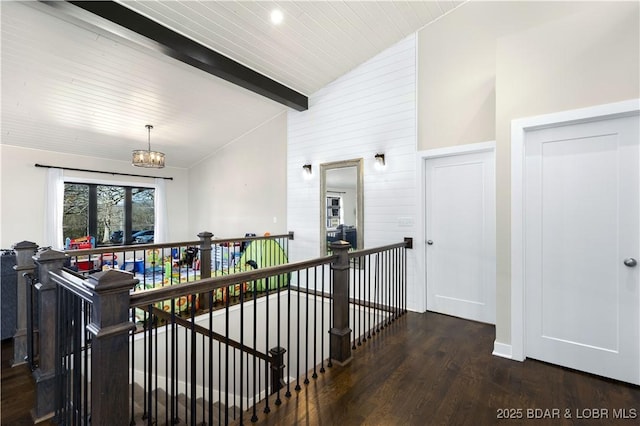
502 350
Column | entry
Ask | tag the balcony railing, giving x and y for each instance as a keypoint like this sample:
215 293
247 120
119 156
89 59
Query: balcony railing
116 353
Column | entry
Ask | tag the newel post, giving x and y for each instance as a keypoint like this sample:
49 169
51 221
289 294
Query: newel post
277 368
205 262
46 290
205 254
110 327
340 343
24 265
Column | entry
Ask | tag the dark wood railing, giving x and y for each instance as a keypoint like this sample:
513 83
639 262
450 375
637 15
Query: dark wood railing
197 366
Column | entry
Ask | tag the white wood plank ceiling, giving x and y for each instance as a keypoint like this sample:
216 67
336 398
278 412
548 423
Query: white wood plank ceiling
68 88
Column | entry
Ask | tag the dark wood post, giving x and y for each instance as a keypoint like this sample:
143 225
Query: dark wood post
277 368
24 265
340 343
110 327
205 254
205 262
46 291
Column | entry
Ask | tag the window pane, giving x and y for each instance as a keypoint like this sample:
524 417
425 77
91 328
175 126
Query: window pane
75 222
110 213
143 215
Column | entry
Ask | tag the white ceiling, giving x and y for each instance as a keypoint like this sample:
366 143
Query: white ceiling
73 88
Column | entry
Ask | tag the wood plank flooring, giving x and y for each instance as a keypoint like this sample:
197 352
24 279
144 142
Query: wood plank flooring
17 391
425 369
431 369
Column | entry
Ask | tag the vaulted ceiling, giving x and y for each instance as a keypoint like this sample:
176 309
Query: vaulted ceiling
74 86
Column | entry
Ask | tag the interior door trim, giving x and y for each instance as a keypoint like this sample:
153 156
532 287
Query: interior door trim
519 127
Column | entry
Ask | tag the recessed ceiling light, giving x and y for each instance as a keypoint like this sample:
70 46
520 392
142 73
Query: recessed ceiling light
276 16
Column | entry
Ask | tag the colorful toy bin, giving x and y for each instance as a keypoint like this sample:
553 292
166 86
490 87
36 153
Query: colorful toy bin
133 265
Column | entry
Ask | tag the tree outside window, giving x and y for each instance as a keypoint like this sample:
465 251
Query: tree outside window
114 215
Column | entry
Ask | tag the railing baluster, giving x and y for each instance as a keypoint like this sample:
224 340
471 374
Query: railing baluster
266 345
210 342
297 388
254 417
360 301
242 299
220 383
173 413
280 360
132 369
306 331
322 370
288 392
193 360
331 300
149 367
226 358
156 414
352 281
315 321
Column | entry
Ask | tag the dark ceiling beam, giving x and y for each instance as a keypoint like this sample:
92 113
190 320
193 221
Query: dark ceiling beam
188 51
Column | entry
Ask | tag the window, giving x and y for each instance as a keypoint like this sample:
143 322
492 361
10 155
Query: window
113 215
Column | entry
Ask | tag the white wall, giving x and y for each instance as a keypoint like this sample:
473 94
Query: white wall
23 185
242 187
487 63
587 58
369 110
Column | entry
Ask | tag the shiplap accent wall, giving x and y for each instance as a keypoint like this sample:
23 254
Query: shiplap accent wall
369 110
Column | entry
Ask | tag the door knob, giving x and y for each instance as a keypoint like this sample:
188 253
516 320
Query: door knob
630 262
429 242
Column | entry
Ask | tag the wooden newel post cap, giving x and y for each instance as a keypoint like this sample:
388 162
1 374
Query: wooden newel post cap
50 255
340 245
111 280
24 245
205 235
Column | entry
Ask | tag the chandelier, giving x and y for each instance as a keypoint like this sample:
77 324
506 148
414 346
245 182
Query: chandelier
148 158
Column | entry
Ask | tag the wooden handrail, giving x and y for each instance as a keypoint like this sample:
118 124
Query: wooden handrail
365 252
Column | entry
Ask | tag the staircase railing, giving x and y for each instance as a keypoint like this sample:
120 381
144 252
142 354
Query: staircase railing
267 334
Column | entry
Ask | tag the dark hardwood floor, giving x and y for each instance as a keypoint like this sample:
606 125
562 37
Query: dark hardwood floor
425 369
431 369
18 391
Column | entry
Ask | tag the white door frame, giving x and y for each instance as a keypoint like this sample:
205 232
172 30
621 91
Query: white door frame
518 129
419 248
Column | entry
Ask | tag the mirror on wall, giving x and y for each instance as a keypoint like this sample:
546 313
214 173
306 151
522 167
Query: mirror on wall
341 204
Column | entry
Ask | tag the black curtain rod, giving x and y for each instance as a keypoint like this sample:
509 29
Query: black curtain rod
100 171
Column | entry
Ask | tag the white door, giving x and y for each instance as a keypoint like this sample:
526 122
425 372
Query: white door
581 227
460 235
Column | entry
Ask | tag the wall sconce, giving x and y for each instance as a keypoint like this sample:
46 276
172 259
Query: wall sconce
380 163
307 170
